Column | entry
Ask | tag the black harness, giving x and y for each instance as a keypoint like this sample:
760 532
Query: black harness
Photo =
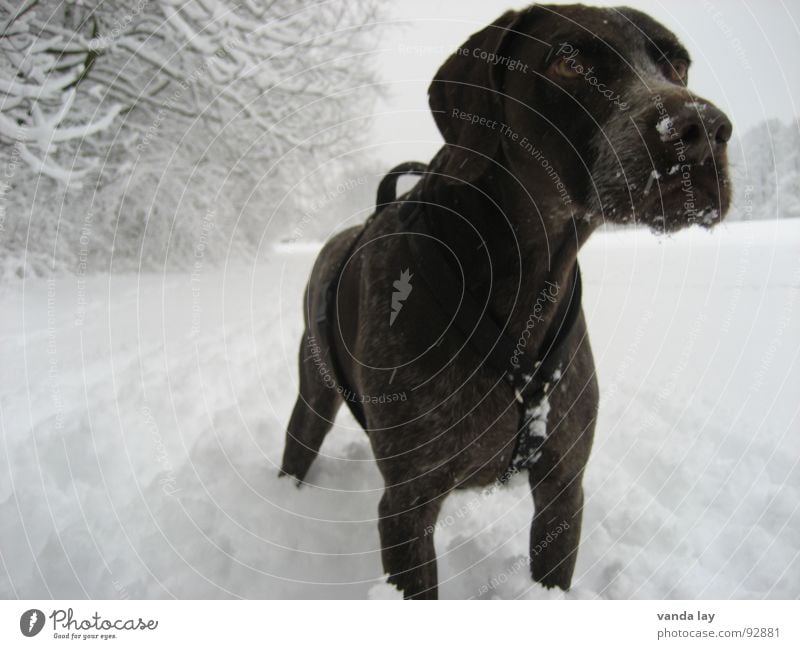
531 378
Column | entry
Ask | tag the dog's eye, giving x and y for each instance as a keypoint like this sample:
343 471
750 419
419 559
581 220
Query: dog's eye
677 70
566 68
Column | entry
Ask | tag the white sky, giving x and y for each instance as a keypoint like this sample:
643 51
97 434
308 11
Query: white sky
746 59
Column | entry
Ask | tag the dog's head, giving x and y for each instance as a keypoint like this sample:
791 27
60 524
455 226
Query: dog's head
590 105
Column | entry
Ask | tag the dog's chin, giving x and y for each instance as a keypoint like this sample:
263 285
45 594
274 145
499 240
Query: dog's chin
668 207
673 213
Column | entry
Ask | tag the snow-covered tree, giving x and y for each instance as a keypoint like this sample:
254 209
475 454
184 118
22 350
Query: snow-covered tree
42 65
765 166
146 112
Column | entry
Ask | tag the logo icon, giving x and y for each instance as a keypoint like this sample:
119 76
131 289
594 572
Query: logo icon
31 622
402 290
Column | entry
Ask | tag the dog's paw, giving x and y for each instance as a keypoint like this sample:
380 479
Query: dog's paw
297 481
551 578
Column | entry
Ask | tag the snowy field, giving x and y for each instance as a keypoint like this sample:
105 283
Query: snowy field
141 435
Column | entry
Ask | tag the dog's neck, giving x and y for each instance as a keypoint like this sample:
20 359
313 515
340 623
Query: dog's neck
530 240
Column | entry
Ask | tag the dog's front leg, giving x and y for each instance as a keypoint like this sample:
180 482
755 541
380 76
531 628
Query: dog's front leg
406 525
556 529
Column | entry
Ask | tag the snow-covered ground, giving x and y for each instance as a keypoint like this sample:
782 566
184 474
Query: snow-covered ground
141 434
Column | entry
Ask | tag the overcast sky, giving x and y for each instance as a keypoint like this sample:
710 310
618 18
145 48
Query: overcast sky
746 59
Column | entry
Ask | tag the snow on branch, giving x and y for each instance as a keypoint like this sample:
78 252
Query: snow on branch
40 80
52 169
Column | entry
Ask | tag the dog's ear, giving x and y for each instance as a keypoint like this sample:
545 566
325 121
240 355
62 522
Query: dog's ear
469 83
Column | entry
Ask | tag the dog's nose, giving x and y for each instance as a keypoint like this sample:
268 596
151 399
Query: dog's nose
703 129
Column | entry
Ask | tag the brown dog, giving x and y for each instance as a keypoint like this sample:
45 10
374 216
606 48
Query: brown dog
556 119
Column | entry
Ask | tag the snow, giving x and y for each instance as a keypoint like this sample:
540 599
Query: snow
699 106
142 422
536 416
384 591
654 175
663 126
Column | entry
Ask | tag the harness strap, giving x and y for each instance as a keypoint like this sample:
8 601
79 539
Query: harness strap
387 189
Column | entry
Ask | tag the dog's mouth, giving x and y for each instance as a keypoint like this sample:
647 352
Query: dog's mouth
684 195
671 197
